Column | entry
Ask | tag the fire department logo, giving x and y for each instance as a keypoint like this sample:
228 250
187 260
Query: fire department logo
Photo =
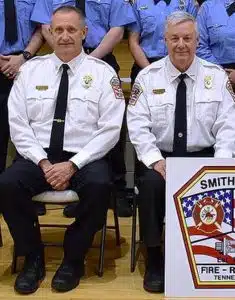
208 215
205 207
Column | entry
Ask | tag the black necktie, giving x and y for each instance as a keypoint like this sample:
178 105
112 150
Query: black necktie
10 21
231 9
81 5
57 132
180 132
157 1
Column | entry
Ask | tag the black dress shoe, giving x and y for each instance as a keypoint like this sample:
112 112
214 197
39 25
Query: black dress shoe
67 277
70 210
154 280
40 208
29 279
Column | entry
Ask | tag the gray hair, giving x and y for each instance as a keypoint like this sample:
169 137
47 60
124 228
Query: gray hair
178 17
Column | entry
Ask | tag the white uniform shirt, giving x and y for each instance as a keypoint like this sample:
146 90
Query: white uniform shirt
210 110
94 111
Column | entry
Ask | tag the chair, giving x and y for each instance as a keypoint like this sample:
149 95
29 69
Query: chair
134 242
69 196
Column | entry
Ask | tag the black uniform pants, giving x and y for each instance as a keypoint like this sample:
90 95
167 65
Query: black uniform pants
151 199
117 154
24 179
5 87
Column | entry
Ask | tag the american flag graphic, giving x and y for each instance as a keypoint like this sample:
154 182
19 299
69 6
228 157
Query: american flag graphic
217 246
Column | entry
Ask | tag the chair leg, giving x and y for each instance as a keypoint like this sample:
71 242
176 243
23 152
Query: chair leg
116 222
102 245
133 236
1 243
14 261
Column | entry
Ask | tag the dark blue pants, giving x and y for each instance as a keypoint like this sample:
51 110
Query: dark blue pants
24 179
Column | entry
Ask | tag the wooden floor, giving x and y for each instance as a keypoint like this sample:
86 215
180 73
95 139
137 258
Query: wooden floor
117 282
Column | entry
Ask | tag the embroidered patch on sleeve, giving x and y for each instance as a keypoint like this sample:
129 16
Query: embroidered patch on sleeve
135 93
116 86
230 89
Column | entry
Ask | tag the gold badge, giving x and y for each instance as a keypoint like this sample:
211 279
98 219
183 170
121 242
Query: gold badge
159 91
41 87
87 81
208 82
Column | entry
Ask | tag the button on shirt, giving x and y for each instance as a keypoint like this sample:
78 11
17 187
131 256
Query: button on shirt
217 32
93 116
101 15
151 20
25 27
210 110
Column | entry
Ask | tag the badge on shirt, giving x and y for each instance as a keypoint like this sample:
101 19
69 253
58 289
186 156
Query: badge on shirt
143 7
116 86
87 81
135 93
41 87
208 82
159 91
230 89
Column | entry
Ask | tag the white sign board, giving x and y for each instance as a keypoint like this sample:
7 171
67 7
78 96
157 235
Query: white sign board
200 228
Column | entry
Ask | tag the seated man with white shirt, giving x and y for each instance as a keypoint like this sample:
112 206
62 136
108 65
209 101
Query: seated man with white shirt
65 114
180 106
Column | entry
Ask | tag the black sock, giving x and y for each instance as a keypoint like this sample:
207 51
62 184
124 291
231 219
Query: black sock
154 258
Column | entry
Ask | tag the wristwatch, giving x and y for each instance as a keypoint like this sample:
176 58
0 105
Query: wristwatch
27 55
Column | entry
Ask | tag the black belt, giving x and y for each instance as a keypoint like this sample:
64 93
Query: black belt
228 66
153 59
206 152
88 50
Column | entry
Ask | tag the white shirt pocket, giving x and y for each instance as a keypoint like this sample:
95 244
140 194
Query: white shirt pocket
41 104
161 109
83 106
207 108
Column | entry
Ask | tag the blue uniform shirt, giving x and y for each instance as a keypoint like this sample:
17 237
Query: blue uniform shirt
151 20
25 27
101 15
217 32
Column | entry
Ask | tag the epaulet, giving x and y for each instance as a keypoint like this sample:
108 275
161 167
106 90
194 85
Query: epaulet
210 65
157 65
39 57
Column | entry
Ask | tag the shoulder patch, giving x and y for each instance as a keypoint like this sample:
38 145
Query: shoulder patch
135 93
116 86
229 87
39 57
210 65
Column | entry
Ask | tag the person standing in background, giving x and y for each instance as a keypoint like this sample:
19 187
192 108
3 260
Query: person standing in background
146 39
20 38
216 24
